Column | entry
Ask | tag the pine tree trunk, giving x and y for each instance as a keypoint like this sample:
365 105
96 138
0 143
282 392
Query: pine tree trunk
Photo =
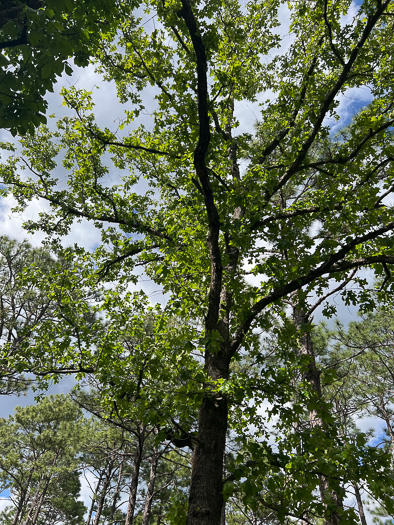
34 502
40 502
134 482
116 496
22 501
37 502
94 498
107 481
312 375
151 488
360 505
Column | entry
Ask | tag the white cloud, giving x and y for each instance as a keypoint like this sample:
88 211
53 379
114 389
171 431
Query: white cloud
11 224
350 104
348 18
4 503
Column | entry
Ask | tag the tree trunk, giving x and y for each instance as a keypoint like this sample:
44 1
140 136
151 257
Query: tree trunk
41 501
151 488
37 502
360 505
116 497
34 501
206 490
134 481
22 501
312 375
18 511
329 495
223 516
94 498
107 481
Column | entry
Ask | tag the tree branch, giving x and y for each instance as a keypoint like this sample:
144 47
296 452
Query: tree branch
329 99
202 170
331 265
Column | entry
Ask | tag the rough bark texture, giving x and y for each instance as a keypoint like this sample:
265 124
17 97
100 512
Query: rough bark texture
206 500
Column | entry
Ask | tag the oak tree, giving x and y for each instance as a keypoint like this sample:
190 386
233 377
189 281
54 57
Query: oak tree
229 221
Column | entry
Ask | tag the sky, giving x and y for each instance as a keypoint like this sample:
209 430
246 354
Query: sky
107 110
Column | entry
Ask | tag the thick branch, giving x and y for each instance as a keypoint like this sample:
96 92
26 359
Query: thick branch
333 264
116 260
201 167
291 214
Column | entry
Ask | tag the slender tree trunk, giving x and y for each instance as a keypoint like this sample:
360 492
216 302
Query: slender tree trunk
104 490
116 497
223 516
134 481
18 511
34 501
40 501
360 505
151 487
22 501
312 375
94 498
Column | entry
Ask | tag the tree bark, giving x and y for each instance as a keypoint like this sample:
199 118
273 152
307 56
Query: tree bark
116 496
34 502
94 497
107 481
151 488
206 492
41 501
360 505
223 516
37 502
22 500
134 480
312 375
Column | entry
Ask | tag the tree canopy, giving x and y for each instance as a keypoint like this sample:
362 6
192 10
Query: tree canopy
39 40
237 226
